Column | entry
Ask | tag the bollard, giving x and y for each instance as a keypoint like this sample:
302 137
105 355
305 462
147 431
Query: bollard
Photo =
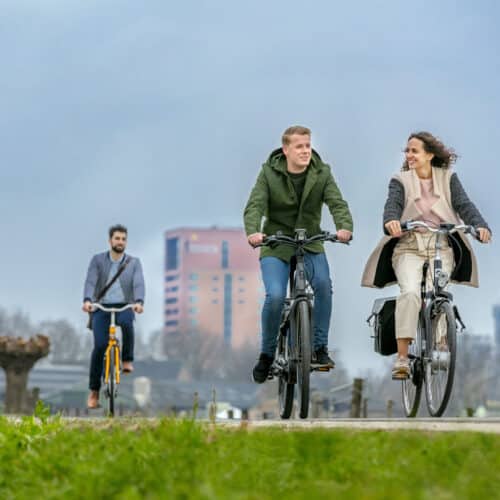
390 404
365 408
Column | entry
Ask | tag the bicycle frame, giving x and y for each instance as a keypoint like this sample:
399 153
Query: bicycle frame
440 278
298 281
113 347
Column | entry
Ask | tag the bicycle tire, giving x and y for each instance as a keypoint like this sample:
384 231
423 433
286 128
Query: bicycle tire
303 345
285 388
440 362
111 385
412 387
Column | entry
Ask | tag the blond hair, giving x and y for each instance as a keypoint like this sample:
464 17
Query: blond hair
296 129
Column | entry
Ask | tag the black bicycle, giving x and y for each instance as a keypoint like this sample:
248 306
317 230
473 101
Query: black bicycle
292 363
433 352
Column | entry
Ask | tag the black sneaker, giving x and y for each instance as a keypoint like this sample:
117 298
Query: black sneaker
261 369
322 358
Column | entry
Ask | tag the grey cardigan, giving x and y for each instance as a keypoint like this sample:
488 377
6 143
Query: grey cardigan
131 279
461 203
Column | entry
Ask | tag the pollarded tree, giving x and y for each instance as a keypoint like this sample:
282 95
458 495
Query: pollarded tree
17 357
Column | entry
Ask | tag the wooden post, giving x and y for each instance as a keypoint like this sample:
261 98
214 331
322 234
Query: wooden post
365 407
357 393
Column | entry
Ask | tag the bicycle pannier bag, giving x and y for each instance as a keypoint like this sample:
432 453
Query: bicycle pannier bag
382 320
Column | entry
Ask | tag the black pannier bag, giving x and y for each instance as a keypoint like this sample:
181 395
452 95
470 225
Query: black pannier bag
383 321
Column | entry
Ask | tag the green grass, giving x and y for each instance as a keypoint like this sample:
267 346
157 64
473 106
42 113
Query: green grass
132 459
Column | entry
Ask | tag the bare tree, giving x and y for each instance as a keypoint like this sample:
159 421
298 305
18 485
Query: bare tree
64 340
17 323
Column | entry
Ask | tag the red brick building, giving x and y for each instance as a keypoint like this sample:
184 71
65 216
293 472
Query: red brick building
212 285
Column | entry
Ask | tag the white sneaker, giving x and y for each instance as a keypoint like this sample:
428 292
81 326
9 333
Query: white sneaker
401 368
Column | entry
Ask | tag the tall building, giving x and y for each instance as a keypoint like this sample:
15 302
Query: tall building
212 285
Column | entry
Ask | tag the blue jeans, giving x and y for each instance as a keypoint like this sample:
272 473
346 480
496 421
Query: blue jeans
275 273
100 329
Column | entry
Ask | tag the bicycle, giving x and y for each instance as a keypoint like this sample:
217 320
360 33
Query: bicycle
112 357
292 363
433 352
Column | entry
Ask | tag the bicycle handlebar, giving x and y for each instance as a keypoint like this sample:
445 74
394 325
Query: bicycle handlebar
282 239
443 228
96 305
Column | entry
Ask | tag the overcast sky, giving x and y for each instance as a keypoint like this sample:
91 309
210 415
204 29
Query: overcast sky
159 114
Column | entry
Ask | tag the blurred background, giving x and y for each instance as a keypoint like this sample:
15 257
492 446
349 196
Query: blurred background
159 115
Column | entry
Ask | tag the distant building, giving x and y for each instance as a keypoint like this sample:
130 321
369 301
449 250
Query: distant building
212 285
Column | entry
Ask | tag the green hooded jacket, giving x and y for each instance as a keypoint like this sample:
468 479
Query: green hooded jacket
274 198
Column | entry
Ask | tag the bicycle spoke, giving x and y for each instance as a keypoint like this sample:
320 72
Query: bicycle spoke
440 366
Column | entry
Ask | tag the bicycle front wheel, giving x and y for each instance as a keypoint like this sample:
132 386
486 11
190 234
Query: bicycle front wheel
440 359
412 387
285 381
303 346
111 384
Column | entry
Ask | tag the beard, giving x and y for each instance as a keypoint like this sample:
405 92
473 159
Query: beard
118 249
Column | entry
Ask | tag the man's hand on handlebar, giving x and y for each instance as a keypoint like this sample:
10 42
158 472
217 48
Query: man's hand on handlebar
87 306
138 308
394 228
256 239
343 235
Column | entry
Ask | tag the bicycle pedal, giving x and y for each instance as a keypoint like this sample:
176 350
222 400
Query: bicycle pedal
323 369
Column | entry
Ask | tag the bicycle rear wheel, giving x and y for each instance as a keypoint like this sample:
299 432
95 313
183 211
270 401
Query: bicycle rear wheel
412 387
303 346
440 359
285 388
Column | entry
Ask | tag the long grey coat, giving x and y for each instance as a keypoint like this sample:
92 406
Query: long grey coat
379 273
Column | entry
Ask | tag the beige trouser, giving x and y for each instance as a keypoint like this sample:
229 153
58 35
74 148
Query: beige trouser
408 259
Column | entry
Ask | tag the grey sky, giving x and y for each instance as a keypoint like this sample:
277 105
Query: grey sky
159 114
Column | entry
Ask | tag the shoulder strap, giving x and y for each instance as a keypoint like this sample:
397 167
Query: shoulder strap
103 292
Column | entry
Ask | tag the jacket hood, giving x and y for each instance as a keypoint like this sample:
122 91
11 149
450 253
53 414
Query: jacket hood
277 159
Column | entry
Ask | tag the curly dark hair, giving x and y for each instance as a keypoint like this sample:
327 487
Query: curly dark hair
444 157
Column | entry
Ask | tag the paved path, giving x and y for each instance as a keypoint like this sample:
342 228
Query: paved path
389 424
488 425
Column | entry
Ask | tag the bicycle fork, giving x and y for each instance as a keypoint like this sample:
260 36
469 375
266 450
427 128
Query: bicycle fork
112 350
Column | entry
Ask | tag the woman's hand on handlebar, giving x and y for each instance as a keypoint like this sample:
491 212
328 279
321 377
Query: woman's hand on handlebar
256 239
484 235
394 228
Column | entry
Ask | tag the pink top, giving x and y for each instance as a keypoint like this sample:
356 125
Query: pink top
427 199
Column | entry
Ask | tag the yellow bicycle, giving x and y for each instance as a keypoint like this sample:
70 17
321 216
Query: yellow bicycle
112 357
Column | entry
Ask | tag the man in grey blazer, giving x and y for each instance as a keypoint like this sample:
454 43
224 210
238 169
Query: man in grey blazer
127 289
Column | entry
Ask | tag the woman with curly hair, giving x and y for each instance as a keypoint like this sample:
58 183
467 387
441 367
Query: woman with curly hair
428 190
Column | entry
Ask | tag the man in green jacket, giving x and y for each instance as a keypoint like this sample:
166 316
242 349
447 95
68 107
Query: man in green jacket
290 191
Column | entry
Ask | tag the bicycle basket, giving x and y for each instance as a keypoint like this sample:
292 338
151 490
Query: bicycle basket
383 322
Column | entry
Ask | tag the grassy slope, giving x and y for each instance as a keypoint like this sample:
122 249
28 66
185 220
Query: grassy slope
180 459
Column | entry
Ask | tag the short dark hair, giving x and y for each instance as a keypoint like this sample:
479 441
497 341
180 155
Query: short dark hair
117 228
